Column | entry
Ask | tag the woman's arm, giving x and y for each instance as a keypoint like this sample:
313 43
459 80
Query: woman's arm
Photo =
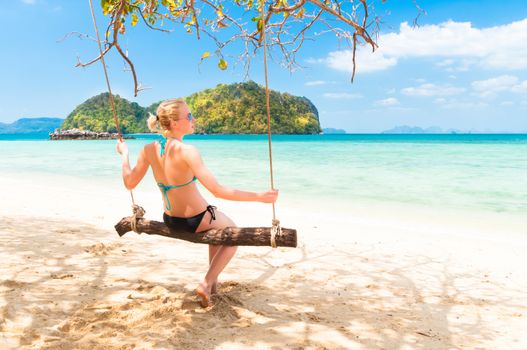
193 159
131 177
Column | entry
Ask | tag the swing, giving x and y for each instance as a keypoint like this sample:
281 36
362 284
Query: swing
274 236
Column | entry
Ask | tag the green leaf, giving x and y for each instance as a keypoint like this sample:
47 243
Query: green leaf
222 64
259 25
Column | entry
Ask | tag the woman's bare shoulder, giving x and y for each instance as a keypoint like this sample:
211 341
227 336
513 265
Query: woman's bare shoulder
150 146
189 151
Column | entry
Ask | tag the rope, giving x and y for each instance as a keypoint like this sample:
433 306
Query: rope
139 213
137 210
112 103
275 230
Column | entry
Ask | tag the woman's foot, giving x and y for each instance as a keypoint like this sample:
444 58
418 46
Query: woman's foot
204 294
214 288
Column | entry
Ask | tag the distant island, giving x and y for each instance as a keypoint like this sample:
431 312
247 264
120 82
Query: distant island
333 131
30 125
226 109
405 129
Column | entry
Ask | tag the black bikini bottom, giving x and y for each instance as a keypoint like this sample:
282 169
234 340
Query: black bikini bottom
188 224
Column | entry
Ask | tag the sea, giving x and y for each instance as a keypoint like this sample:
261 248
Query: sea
483 174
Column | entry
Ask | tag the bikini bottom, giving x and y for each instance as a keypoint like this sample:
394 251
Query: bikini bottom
190 224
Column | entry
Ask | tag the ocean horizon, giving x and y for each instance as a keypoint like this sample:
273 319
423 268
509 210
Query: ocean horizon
44 136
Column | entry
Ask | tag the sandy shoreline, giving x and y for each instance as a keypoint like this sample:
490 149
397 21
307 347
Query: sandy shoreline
68 281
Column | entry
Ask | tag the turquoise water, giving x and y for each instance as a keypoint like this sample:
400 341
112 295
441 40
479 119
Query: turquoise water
482 173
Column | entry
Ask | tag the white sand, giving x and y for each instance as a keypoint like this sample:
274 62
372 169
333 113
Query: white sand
361 278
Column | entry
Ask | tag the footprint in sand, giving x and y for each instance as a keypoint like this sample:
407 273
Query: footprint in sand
14 284
67 230
101 249
61 276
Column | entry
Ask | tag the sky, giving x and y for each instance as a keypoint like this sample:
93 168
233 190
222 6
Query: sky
463 67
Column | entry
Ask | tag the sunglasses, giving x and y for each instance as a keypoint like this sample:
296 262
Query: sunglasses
190 117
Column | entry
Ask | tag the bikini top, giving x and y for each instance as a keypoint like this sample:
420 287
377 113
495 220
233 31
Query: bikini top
165 188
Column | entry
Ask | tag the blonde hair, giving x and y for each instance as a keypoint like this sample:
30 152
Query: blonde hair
168 110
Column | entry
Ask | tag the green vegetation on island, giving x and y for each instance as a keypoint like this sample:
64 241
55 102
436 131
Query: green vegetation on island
226 109
95 114
241 109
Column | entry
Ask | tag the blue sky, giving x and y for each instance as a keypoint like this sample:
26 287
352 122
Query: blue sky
464 67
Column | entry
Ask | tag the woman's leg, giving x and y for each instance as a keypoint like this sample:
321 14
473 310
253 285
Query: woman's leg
213 249
219 256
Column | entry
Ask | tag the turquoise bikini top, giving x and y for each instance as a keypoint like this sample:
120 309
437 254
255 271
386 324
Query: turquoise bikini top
166 188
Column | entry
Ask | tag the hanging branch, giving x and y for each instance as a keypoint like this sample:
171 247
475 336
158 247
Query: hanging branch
349 19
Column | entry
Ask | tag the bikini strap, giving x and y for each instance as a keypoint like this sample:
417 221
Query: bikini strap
165 189
162 143
211 209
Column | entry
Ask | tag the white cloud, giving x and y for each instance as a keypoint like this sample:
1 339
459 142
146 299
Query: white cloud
507 103
432 90
445 63
458 43
29 2
521 87
388 102
366 60
312 60
341 95
503 82
316 83
455 103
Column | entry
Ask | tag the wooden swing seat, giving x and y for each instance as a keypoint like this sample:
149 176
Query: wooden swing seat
231 236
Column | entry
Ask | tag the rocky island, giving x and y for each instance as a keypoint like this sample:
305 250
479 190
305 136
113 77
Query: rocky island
226 109
78 134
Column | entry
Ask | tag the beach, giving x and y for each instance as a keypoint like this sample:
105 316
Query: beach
365 274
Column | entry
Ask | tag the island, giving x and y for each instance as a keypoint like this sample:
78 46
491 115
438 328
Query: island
78 134
333 131
237 108
31 125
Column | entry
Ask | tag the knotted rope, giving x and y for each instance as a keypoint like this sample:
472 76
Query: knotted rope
139 213
276 231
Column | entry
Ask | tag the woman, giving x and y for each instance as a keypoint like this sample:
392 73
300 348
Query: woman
176 166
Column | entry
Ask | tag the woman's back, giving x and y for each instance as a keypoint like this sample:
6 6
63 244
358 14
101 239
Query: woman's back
173 172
